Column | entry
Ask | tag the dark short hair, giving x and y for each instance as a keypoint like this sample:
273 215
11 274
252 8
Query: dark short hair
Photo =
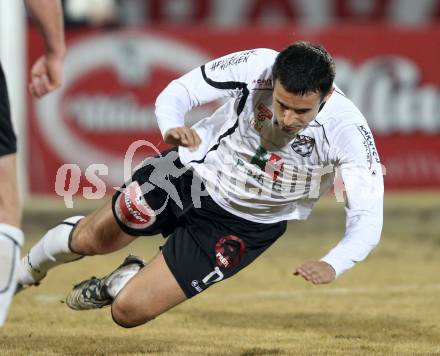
303 68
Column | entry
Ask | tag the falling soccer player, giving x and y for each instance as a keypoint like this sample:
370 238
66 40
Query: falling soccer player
261 159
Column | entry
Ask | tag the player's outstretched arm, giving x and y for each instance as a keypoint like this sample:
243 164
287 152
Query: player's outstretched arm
316 272
46 73
183 136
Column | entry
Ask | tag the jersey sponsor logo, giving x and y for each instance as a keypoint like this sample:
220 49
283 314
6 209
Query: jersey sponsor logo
233 60
274 166
262 84
303 145
269 174
260 157
370 148
258 176
228 251
263 115
132 209
269 162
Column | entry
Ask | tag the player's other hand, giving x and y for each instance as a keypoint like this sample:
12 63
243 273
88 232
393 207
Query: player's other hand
183 136
46 74
316 272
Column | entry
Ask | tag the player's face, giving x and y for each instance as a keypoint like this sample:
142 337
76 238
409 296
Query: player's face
294 112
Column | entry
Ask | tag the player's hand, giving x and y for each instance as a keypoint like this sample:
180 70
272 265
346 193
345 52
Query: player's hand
317 272
183 136
46 74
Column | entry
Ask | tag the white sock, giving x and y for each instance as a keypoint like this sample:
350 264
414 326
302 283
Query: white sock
11 239
52 250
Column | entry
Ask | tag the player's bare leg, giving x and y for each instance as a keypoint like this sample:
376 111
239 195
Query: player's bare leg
10 210
151 292
99 233
74 238
137 293
11 237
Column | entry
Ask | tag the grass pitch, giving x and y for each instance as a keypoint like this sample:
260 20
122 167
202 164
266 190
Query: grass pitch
387 305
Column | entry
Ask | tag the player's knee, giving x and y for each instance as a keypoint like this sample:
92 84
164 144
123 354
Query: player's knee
126 315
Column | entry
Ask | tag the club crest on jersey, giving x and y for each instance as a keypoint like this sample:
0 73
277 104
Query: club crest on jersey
303 145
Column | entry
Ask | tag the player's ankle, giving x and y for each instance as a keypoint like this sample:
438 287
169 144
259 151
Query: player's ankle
52 250
27 274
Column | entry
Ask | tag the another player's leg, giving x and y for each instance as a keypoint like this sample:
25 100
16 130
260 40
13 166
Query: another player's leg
50 251
74 238
11 237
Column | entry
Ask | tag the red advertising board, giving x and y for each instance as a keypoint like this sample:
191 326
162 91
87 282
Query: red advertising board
112 79
245 12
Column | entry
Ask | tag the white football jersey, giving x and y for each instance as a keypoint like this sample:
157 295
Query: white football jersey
255 170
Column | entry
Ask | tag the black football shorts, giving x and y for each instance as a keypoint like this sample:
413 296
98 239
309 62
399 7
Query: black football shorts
8 141
206 244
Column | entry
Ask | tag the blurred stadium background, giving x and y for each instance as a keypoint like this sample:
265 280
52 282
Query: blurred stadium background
121 54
